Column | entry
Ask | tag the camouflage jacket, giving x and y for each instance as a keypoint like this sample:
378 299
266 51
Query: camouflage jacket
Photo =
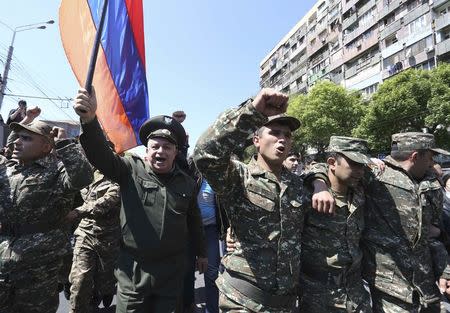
100 211
332 243
397 253
266 215
397 257
38 196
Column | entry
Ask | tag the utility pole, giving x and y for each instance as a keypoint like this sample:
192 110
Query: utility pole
11 49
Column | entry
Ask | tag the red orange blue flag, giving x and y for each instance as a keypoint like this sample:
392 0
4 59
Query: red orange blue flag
120 78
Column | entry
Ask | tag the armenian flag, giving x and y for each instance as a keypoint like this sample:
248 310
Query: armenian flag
119 80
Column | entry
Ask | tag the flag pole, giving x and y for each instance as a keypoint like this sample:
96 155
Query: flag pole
93 61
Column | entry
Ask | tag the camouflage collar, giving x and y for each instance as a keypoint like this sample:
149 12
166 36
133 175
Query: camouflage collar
256 170
47 161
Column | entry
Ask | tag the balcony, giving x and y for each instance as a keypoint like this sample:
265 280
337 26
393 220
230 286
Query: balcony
349 21
392 28
347 6
438 3
299 49
336 77
312 49
360 30
443 47
364 45
301 87
360 66
390 8
415 13
366 7
442 21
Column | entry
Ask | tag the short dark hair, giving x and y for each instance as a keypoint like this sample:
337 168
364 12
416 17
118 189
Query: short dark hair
400 155
294 153
22 102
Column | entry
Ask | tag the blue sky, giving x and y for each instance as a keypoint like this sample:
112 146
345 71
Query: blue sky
202 56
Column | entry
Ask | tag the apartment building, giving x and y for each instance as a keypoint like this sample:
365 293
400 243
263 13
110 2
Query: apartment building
359 43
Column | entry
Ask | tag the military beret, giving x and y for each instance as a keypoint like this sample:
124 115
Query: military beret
162 126
355 149
411 141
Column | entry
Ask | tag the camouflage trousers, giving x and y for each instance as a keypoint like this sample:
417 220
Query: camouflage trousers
226 305
92 273
317 297
231 300
30 290
384 303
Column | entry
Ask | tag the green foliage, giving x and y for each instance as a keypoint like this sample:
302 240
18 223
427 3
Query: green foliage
409 101
328 109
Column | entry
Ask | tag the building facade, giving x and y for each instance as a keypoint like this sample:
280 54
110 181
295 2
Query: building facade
359 43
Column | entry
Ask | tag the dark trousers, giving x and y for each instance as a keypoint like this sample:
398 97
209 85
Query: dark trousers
148 287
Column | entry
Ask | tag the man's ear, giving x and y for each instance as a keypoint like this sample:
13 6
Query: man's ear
256 141
331 162
413 156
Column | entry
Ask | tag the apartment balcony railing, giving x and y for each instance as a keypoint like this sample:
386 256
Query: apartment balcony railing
366 7
443 47
352 71
299 49
442 21
347 6
438 3
311 49
363 46
349 21
390 29
301 87
298 73
415 13
319 58
337 78
390 7
360 30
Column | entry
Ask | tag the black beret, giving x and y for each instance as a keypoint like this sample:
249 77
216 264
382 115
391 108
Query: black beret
162 122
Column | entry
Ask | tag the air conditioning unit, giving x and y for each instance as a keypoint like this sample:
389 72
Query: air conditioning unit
429 49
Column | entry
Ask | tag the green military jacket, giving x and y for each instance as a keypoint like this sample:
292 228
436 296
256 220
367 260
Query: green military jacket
157 212
266 215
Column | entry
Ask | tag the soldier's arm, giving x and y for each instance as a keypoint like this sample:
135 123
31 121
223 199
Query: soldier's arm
76 172
107 203
213 151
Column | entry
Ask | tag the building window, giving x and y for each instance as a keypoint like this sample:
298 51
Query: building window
417 25
370 90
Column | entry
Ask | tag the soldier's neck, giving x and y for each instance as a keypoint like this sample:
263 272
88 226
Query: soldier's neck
336 185
269 166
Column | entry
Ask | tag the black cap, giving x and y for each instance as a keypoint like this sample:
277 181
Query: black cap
153 127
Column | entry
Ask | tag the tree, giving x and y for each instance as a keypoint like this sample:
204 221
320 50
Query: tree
410 101
328 109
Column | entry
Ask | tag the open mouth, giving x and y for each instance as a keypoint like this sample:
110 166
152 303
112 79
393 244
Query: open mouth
280 149
160 159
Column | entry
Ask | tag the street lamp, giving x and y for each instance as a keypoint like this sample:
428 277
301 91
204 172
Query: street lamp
11 48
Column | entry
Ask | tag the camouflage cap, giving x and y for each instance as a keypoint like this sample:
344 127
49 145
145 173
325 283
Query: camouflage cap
162 126
284 119
355 149
37 127
411 141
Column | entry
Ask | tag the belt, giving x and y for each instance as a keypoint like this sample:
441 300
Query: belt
17 230
331 278
260 296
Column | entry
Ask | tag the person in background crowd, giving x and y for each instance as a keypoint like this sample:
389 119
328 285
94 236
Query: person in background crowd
293 162
159 208
446 206
96 247
181 158
33 197
17 115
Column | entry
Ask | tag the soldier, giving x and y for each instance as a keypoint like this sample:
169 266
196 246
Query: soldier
34 191
159 207
96 246
292 162
402 261
331 255
267 207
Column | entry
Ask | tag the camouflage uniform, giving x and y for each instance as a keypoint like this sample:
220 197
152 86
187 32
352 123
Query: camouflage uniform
331 255
97 244
398 262
265 214
33 203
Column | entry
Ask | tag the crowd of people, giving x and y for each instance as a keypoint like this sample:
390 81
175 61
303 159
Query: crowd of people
352 234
